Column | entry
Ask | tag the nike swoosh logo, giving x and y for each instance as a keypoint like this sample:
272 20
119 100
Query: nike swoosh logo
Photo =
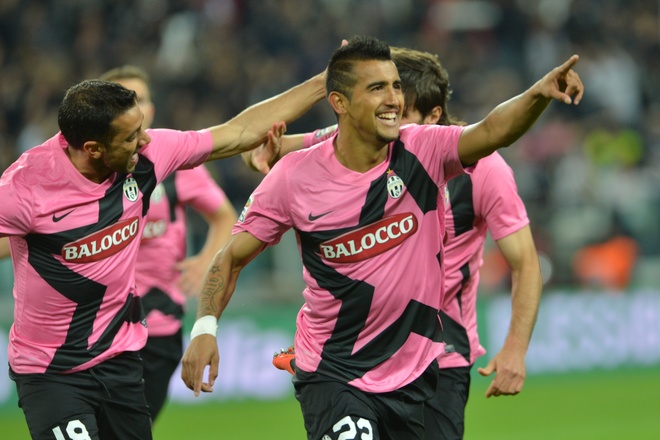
311 217
57 219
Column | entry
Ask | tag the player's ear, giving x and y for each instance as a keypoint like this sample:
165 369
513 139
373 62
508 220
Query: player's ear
434 116
94 149
338 101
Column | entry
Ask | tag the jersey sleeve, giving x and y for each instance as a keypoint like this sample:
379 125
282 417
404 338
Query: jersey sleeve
171 150
265 215
197 188
16 193
437 147
318 136
499 202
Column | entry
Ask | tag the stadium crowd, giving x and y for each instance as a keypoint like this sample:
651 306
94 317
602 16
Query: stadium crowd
588 176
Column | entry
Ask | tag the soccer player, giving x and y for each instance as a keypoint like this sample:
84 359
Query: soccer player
163 273
74 209
484 201
365 208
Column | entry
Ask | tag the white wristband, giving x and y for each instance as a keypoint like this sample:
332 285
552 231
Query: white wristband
205 325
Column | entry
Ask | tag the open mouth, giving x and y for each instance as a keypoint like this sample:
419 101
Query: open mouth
390 117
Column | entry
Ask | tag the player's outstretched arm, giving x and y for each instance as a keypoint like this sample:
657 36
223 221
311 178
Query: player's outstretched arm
276 146
248 129
218 288
509 364
510 120
279 145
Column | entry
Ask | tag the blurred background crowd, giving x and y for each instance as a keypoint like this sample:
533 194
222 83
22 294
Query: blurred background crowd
589 175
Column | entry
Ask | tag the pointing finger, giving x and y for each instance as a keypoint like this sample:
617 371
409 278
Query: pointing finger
568 64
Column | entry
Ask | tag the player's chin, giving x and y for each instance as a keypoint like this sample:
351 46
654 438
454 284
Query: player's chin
389 136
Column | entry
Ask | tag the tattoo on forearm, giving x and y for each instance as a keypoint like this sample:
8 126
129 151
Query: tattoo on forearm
213 285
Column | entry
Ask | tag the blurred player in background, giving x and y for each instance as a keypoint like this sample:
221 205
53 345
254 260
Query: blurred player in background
365 205
163 274
484 201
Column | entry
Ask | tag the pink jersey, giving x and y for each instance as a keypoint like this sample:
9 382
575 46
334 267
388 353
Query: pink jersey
371 247
486 200
74 245
164 244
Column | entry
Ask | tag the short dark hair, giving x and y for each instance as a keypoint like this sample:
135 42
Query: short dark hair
339 76
89 108
127 71
425 83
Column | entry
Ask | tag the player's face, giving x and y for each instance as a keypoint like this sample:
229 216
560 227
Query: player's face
143 98
121 155
377 100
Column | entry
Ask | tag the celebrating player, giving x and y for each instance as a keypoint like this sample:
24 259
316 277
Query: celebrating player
74 209
365 207
484 201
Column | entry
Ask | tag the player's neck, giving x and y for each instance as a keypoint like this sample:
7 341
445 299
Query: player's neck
357 154
91 170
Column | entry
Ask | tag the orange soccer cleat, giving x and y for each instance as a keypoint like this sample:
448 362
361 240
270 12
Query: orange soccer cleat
285 360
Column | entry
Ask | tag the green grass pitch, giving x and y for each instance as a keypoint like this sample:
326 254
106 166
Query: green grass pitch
603 405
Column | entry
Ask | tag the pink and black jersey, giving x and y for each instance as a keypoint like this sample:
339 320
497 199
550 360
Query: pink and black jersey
486 200
164 244
74 245
371 248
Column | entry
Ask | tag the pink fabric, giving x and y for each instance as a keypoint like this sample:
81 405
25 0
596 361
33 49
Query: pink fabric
75 243
317 136
312 192
498 209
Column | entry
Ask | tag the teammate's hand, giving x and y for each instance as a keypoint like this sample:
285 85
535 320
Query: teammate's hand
563 83
510 372
202 351
264 156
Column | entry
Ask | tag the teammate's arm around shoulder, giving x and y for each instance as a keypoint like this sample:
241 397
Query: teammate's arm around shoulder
218 288
266 155
248 129
510 120
278 145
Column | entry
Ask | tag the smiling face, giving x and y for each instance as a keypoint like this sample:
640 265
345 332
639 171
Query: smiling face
120 154
376 102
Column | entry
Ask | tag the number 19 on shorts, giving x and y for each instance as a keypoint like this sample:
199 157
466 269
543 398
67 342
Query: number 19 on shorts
75 430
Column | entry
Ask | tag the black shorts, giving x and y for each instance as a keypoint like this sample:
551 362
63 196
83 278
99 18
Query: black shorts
104 402
334 410
161 357
444 415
